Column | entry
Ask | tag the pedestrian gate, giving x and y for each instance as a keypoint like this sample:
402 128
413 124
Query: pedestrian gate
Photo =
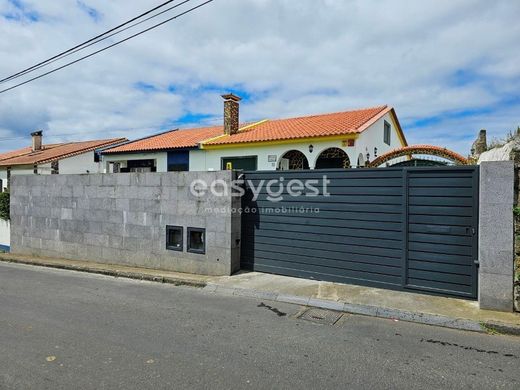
398 228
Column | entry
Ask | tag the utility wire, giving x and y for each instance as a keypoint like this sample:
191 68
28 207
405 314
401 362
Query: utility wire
93 41
108 47
86 42
174 124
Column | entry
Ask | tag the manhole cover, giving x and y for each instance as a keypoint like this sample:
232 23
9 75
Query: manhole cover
321 316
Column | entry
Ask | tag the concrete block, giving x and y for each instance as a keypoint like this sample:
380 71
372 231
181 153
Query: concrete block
497 182
95 239
111 229
148 193
109 179
121 218
136 244
497 261
115 242
138 231
152 179
122 179
66 213
134 217
169 179
495 292
496 242
78 191
122 204
95 179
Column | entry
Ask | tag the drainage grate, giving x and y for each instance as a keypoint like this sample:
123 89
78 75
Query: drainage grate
321 316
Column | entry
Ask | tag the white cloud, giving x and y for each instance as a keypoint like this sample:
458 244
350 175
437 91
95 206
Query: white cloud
292 57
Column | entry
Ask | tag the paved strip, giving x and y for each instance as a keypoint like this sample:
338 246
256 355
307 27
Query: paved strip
63 330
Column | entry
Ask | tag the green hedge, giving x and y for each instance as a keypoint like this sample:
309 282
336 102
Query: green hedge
4 206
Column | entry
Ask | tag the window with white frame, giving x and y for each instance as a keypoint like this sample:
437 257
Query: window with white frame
387 131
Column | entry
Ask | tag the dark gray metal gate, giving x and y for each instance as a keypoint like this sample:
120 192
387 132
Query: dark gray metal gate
398 228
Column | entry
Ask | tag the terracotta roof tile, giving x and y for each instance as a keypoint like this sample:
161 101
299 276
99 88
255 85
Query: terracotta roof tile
269 130
339 123
419 149
53 152
14 153
174 139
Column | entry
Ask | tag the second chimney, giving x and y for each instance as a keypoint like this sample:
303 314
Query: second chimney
231 113
37 140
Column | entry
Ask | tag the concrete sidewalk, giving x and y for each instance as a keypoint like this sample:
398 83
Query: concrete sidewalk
405 306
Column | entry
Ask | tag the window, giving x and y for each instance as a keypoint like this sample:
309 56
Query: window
386 137
174 238
178 161
148 165
247 163
197 240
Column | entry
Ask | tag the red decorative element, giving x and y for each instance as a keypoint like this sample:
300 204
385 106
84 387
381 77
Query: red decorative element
420 149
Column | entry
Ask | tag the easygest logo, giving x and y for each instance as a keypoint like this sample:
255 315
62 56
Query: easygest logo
275 189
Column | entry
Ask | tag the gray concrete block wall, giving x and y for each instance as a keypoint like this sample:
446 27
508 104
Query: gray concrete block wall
121 219
496 242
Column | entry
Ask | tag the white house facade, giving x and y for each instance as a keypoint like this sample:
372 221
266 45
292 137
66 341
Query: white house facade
337 140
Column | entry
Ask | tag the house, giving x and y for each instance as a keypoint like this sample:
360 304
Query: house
69 157
40 159
336 140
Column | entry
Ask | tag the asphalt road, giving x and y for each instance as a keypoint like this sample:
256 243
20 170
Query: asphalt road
69 330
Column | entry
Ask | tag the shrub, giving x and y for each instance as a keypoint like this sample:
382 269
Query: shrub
4 206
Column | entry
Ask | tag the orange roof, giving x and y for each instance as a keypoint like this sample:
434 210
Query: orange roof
14 153
53 152
173 139
339 123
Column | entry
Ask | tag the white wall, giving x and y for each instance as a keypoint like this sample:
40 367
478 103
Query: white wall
374 137
5 233
80 164
210 159
160 157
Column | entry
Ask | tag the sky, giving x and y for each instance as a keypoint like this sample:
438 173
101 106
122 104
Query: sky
449 68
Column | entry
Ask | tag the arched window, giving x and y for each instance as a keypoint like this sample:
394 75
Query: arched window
332 158
293 159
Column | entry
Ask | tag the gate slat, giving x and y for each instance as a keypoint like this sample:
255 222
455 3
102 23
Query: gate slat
379 227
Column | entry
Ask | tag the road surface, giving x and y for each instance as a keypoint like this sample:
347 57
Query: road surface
70 330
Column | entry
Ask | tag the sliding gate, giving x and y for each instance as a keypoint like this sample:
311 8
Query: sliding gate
398 228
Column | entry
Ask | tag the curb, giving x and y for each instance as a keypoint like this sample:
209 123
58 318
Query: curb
353 308
372 311
109 272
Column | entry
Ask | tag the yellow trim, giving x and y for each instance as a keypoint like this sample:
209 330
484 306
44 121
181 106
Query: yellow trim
202 143
282 141
253 125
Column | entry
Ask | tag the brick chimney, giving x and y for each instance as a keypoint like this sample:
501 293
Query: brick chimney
37 137
231 113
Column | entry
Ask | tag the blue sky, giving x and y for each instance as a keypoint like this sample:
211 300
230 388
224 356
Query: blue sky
449 68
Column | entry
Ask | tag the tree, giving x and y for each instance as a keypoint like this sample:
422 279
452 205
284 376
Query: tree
4 206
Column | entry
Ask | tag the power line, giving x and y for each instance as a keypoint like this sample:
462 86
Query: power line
107 47
86 42
108 34
204 121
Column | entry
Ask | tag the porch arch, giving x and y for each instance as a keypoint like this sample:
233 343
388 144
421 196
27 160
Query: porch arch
332 158
292 160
